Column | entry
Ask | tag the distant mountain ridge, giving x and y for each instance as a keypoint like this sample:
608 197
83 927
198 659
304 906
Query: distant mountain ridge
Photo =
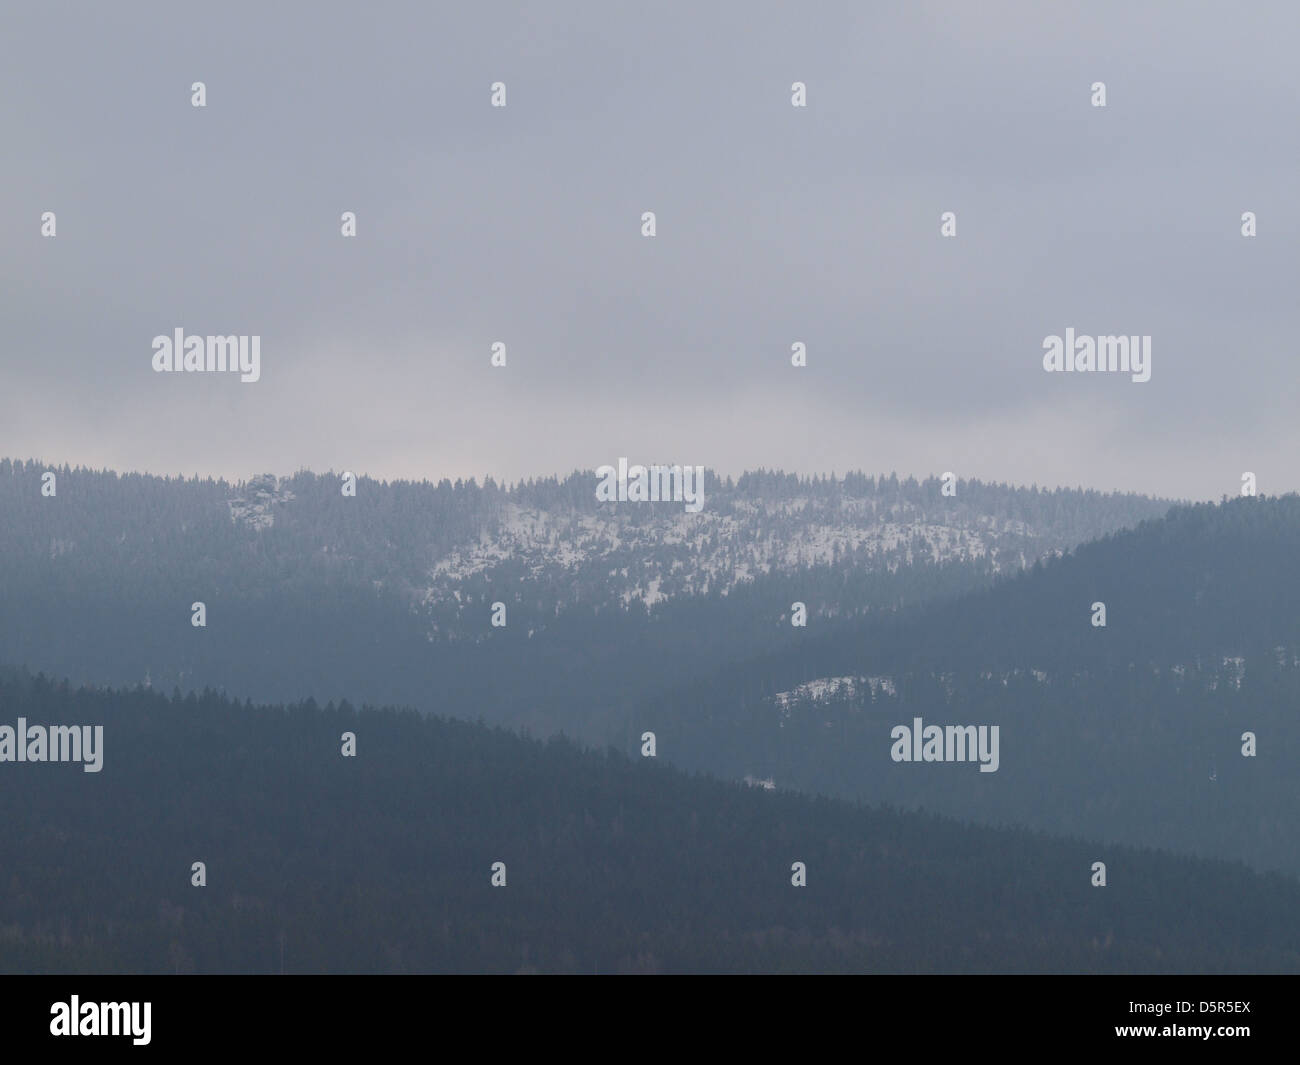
433 539
387 597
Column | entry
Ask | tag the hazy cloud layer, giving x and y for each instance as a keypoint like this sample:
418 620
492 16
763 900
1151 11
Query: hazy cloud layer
775 224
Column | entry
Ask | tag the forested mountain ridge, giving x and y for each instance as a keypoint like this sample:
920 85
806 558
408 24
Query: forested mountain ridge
388 596
428 539
383 862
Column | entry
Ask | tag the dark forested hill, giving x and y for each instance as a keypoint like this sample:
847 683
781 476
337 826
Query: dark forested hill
316 862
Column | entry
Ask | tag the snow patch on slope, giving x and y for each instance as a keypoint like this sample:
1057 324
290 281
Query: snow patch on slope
656 550
255 505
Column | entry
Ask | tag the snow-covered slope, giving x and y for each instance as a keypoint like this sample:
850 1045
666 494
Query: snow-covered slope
711 548
443 544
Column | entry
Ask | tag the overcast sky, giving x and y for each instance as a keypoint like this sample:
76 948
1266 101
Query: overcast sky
775 224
